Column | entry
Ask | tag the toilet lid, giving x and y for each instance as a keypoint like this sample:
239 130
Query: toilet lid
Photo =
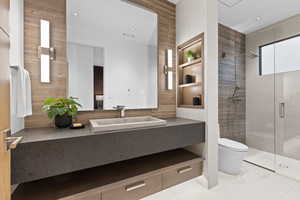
236 146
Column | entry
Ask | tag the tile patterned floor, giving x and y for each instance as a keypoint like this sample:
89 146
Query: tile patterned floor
253 184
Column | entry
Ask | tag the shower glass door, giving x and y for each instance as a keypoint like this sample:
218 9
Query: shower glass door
287 100
260 95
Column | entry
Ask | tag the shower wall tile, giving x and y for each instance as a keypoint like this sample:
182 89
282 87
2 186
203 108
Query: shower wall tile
232 114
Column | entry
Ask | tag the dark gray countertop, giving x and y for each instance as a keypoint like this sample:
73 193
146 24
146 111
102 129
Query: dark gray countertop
47 152
46 134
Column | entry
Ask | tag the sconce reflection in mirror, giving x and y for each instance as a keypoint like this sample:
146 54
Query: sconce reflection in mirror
169 69
45 52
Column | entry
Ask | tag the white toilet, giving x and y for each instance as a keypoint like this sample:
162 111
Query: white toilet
231 156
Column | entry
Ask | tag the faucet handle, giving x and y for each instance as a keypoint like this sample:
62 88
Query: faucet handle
119 107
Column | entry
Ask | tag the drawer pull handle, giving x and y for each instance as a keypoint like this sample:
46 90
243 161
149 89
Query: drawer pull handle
135 186
184 170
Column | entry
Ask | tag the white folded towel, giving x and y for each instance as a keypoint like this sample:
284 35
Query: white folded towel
21 93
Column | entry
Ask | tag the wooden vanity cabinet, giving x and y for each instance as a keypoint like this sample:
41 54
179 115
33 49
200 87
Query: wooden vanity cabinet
127 180
135 190
180 174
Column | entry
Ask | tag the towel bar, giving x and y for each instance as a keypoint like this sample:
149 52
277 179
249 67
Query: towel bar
14 67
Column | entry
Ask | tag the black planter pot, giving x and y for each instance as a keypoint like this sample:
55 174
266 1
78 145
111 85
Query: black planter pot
63 121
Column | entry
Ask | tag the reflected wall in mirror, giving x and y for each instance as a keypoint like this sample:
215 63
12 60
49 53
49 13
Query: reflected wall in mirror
113 54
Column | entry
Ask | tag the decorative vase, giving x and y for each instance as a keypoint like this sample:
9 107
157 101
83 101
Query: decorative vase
197 101
188 79
190 59
63 121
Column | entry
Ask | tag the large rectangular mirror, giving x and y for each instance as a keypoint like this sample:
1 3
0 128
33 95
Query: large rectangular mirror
112 48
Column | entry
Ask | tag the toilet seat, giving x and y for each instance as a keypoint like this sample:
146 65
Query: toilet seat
233 145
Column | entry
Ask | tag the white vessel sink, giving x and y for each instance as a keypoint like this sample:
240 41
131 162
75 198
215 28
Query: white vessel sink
125 123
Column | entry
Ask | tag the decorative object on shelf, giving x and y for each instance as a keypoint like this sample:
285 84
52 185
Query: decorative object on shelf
63 110
197 101
189 79
190 55
77 125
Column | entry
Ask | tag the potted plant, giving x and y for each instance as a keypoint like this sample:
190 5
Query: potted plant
190 55
63 110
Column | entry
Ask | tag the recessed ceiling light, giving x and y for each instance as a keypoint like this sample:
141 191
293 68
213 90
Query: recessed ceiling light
75 14
258 19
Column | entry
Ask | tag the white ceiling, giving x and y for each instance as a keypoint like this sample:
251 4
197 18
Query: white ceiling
248 16
113 19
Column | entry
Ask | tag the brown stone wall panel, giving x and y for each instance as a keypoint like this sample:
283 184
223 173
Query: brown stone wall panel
232 73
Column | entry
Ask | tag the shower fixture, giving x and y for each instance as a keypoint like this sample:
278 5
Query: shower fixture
235 96
253 54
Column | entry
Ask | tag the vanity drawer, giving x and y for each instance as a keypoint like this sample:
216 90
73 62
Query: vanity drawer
135 190
181 174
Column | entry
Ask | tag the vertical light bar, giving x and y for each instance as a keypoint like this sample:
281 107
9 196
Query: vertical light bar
45 68
44 51
170 69
45 34
170 81
170 58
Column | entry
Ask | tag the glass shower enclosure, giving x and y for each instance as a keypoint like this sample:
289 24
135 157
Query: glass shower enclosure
273 98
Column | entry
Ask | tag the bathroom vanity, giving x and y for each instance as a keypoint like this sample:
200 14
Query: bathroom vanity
47 152
105 63
127 180
86 165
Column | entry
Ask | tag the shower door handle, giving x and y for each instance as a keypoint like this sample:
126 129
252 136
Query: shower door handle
282 110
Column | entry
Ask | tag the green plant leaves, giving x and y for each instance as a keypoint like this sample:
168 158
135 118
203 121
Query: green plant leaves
190 53
49 101
61 106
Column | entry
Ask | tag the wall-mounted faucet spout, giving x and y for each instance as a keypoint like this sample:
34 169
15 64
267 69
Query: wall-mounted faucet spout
121 109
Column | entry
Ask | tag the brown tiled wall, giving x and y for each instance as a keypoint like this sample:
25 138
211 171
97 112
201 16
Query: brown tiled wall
55 12
231 74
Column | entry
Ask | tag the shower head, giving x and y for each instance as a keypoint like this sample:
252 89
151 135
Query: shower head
253 54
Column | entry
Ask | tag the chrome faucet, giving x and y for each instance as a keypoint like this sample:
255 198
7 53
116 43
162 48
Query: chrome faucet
121 109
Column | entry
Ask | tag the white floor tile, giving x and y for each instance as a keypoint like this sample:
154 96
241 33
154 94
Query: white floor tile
261 158
253 184
281 164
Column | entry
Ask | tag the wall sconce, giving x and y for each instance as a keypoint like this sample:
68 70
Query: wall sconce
169 69
45 52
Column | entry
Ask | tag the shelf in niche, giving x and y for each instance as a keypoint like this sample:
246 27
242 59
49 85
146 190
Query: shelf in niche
195 68
192 63
190 85
190 43
192 106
